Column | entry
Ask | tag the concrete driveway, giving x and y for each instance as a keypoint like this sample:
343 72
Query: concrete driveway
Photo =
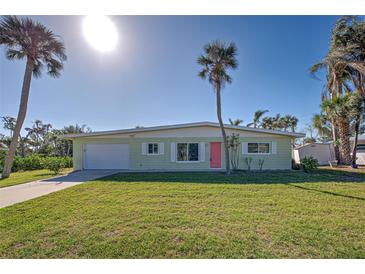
23 192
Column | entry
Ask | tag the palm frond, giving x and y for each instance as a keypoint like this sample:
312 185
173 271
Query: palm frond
25 38
217 59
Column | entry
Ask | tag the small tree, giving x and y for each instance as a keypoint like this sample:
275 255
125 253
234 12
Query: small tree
261 163
234 144
248 161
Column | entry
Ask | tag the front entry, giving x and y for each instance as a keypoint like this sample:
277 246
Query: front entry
215 155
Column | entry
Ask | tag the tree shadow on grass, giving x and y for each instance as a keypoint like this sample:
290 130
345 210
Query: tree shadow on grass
328 192
240 177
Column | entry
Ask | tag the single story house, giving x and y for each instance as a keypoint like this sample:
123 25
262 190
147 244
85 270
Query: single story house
322 152
191 146
360 149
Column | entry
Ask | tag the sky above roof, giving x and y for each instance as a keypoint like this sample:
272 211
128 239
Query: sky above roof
150 78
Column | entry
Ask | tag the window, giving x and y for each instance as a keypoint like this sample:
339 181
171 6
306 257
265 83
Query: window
360 147
187 152
258 148
152 149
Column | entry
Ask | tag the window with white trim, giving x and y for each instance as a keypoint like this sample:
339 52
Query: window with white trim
152 148
187 152
258 148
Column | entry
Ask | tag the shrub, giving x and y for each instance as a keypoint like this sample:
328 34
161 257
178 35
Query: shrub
248 161
261 162
68 162
36 161
31 162
309 164
55 164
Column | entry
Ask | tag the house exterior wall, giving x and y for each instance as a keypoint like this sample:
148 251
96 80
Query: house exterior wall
280 160
322 152
360 154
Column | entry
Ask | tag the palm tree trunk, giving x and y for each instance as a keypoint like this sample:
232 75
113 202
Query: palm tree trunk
335 140
354 145
360 90
20 119
345 148
219 114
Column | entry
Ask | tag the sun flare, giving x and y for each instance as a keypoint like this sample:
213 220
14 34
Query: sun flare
100 32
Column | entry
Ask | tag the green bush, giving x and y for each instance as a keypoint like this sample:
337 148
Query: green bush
309 164
55 164
36 161
68 162
31 162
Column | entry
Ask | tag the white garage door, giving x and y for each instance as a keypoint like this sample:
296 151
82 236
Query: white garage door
106 156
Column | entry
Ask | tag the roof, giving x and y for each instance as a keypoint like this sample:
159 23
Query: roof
178 126
311 144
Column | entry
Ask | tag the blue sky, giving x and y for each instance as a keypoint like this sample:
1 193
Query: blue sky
151 77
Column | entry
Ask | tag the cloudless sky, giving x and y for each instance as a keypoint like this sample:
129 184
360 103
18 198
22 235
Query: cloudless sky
151 77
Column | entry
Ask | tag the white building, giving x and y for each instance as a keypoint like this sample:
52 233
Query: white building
322 152
360 152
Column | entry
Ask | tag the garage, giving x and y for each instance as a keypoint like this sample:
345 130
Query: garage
106 156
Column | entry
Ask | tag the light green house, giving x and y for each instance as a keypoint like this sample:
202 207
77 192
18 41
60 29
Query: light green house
192 146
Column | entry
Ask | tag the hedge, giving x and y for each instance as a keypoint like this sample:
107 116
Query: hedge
33 162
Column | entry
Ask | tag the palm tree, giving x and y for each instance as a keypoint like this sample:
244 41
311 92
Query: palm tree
257 117
219 57
286 122
338 109
348 45
344 63
357 110
267 123
235 122
336 76
320 123
40 47
293 122
277 122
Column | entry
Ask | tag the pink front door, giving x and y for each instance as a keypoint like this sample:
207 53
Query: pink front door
216 155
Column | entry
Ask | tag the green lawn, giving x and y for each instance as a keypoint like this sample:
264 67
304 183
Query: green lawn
197 215
28 176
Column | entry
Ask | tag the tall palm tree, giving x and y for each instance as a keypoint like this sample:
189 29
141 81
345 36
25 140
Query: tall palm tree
257 118
336 76
235 122
217 59
338 109
357 110
41 48
344 63
348 44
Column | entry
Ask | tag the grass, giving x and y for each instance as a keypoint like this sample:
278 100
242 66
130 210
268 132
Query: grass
22 177
193 215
